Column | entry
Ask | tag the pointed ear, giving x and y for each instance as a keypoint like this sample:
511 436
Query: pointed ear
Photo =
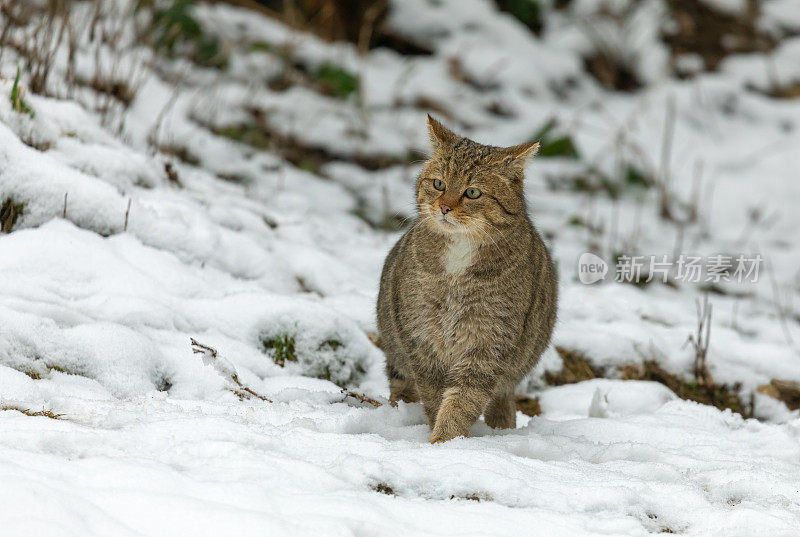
522 153
516 156
439 134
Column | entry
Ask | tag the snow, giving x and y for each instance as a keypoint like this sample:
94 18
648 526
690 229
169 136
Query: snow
165 466
115 265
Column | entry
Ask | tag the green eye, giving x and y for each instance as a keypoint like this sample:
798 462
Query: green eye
438 184
472 193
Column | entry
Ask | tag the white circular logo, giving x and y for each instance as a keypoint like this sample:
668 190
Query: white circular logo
591 268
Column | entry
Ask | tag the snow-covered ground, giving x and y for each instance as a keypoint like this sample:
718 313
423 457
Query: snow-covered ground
122 253
309 464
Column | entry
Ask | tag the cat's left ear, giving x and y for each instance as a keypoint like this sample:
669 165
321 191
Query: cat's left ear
517 156
520 154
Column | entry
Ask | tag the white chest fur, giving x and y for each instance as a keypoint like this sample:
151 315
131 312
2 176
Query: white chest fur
458 255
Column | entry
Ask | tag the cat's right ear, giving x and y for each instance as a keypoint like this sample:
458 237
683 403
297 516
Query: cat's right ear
440 135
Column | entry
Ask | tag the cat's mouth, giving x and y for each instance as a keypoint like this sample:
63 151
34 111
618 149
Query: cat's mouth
447 223
444 222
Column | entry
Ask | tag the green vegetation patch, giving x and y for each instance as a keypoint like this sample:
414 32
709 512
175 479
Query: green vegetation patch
175 30
247 134
528 12
335 80
262 46
329 360
553 143
592 180
332 344
587 181
17 102
634 177
281 349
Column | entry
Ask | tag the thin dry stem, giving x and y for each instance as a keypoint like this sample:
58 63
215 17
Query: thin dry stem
243 391
46 413
700 341
361 397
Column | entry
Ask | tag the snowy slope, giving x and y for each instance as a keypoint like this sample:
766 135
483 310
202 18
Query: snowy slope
124 252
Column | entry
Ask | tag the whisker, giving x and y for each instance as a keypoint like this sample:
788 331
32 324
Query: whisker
492 227
488 235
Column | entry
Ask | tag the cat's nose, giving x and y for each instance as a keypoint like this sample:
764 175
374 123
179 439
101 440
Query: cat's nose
445 209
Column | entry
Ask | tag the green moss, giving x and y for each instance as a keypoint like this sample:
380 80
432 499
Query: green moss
175 28
175 25
9 212
554 144
528 12
17 102
324 372
335 80
309 165
246 134
576 221
334 344
208 53
588 181
281 349
261 46
633 177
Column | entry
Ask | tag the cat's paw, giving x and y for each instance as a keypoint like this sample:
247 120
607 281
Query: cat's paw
438 436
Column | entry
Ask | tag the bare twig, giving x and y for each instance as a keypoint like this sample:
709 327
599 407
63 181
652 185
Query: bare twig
227 370
46 413
64 211
361 397
368 26
127 214
700 341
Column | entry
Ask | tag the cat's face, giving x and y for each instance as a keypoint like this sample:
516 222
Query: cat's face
471 188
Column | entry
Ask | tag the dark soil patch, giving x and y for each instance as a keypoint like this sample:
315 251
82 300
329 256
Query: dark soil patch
528 405
261 135
712 34
362 22
9 212
577 368
718 395
611 73
790 90
383 488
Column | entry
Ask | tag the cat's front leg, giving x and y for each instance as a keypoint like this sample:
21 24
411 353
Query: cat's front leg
461 405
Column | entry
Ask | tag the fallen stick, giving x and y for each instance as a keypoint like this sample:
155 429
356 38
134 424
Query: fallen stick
361 397
226 369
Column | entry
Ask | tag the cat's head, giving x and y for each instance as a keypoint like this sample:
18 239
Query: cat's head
467 187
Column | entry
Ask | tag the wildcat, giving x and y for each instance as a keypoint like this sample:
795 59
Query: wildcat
467 298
